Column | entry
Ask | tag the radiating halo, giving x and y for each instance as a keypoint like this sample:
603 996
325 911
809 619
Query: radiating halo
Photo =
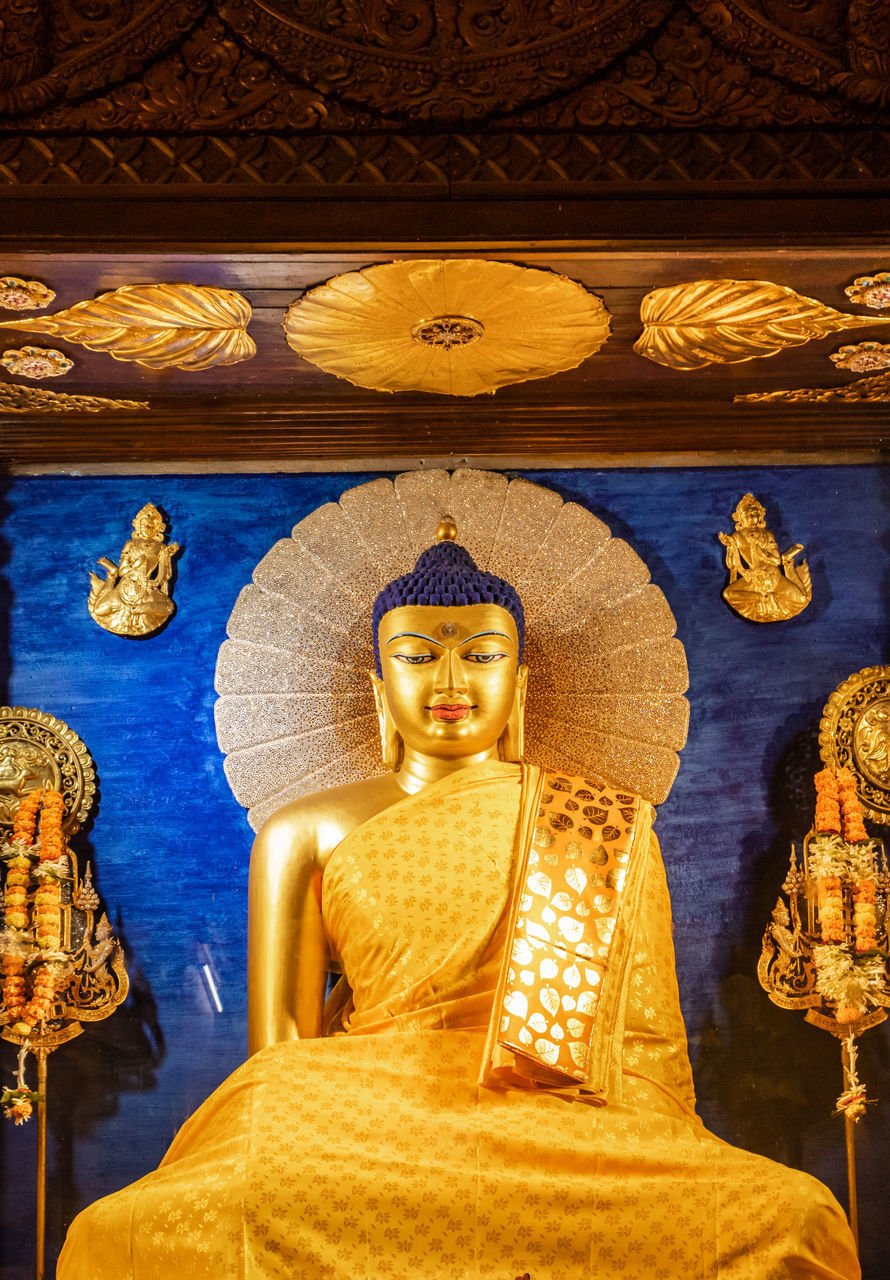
606 674
456 326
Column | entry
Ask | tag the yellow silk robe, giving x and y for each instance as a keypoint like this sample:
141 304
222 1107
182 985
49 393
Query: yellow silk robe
376 1153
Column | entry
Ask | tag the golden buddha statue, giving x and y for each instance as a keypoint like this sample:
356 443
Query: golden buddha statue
500 1085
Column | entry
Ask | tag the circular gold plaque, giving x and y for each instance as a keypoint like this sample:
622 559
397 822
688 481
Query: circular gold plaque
37 750
855 734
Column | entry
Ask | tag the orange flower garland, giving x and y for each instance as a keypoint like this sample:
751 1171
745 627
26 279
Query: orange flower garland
828 811
854 827
849 967
18 878
25 1014
864 925
831 909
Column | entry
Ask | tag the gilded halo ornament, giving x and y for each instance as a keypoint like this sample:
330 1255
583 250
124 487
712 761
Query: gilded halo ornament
455 326
37 750
606 674
764 585
855 734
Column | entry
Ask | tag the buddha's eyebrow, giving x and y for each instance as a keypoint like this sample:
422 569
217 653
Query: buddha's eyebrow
481 635
418 635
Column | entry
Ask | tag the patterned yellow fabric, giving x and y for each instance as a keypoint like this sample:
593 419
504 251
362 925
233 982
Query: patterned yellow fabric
587 844
376 1154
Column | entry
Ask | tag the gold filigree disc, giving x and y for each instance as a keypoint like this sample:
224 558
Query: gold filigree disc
37 750
855 734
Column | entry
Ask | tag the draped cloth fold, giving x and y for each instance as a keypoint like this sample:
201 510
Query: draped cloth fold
378 1153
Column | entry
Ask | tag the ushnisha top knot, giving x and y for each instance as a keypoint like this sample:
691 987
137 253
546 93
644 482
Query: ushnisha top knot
446 574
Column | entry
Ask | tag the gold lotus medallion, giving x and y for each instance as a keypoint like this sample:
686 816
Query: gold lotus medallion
37 750
453 326
855 734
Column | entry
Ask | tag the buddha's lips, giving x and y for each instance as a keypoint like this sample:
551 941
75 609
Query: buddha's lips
451 710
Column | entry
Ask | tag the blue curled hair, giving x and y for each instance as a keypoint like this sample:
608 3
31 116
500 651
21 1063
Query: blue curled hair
446 574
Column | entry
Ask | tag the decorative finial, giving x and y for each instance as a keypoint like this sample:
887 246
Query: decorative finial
447 530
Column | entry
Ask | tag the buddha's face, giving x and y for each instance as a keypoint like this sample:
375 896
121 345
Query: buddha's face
450 675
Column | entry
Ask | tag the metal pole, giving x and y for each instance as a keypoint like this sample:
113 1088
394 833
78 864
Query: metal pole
40 1262
850 1136
850 1127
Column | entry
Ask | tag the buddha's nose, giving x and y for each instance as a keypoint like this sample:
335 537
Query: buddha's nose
450 673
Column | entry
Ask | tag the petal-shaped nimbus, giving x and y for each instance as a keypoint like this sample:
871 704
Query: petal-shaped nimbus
376 327
607 677
688 326
160 326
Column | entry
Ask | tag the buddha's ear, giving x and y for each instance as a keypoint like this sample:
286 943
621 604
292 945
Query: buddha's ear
511 745
390 739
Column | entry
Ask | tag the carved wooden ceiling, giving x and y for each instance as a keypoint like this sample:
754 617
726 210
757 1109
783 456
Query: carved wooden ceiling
265 147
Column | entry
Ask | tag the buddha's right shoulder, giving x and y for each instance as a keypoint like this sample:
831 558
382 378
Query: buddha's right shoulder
316 823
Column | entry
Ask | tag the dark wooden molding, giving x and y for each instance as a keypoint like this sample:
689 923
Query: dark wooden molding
293 432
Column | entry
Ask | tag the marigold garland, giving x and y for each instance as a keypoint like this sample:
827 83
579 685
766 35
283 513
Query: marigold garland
849 970
39 923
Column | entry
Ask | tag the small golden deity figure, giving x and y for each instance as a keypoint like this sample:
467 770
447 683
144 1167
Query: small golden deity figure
498 1085
134 599
764 585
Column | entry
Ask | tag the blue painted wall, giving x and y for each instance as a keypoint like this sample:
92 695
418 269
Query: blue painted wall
170 845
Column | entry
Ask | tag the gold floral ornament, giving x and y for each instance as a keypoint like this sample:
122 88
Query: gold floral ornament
874 390
606 674
159 326
21 399
764 586
862 357
825 950
134 599
855 734
38 751
689 326
23 295
36 362
455 326
871 291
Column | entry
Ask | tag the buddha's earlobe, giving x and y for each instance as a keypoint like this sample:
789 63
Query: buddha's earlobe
390 738
511 745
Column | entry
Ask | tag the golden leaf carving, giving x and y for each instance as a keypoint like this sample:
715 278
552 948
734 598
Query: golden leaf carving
688 326
183 326
18 399
874 390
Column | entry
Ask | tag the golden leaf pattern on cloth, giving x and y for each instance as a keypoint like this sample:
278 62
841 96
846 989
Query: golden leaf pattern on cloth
160 326
689 326
378 1156
563 950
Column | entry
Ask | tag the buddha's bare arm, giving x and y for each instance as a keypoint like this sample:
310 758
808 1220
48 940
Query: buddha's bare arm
287 952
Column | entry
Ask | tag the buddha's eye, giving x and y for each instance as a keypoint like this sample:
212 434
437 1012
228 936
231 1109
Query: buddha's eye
413 659
484 657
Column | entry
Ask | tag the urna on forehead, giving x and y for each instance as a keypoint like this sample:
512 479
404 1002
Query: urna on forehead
447 575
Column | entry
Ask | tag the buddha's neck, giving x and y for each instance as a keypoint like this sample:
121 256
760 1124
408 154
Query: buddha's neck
418 770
